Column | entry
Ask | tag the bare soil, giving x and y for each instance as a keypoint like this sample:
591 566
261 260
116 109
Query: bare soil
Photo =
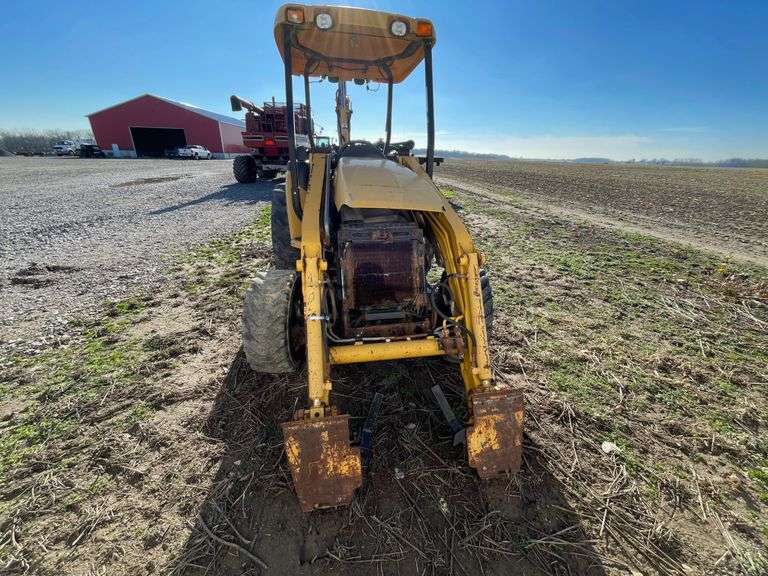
719 209
146 445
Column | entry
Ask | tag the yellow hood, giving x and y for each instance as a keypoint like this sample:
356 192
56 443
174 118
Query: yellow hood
379 183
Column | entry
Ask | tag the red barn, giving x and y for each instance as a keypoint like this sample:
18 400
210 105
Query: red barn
148 125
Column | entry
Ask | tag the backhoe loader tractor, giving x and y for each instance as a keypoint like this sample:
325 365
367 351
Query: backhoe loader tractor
373 262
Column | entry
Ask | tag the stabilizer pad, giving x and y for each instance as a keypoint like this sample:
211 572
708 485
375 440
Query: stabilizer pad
326 470
495 439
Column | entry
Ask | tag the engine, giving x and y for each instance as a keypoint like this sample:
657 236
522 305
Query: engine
383 256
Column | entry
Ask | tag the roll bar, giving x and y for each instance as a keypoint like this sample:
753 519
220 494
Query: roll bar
289 119
289 123
430 107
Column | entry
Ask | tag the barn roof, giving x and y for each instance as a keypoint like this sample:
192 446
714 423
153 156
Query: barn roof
191 107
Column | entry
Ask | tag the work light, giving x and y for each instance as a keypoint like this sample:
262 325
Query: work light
323 21
398 28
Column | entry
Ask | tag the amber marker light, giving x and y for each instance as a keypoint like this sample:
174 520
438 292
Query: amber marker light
294 15
423 28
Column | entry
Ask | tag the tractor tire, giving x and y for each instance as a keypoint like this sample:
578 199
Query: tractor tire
268 174
284 254
244 169
273 328
485 284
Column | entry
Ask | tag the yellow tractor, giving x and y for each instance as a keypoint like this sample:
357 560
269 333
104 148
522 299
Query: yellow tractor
372 261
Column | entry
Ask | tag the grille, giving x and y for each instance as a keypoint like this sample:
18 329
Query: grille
382 269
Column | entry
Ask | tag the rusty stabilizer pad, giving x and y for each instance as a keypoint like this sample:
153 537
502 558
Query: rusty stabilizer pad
495 439
326 470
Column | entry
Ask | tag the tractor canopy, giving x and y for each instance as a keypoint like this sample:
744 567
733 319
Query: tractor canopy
352 43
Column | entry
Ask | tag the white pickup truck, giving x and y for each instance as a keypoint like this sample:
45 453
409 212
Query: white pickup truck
194 152
66 148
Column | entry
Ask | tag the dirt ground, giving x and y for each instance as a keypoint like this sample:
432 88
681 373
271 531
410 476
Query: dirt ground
145 445
719 209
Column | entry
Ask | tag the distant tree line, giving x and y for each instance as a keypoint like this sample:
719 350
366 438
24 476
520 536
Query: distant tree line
728 163
462 154
38 141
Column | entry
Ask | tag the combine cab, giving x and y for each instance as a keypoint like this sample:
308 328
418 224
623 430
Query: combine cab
266 135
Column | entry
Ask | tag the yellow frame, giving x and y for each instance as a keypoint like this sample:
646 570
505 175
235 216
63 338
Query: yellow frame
462 263
365 43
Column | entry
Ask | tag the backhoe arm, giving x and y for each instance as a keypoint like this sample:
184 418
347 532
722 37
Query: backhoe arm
343 114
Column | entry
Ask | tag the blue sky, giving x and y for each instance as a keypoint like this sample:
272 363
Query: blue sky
539 79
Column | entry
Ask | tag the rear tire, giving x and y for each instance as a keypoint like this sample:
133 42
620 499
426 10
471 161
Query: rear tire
273 329
244 169
285 255
268 174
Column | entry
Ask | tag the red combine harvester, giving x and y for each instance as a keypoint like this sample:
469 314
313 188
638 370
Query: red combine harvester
266 134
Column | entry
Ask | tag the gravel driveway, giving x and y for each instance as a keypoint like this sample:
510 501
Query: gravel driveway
74 232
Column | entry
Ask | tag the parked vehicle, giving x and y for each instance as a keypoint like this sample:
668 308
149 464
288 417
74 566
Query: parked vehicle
65 148
91 151
193 152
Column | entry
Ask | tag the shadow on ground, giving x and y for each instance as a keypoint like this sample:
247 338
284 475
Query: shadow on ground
259 191
421 509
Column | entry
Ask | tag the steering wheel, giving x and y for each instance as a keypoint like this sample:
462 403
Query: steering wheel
402 148
360 148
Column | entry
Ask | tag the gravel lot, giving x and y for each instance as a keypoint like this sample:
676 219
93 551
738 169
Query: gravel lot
74 232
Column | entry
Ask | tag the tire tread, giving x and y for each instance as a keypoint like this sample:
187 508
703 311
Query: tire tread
265 322
285 255
244 169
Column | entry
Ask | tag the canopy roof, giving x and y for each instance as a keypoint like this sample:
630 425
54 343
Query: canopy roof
359 44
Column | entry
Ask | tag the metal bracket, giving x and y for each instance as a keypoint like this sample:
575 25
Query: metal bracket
459 432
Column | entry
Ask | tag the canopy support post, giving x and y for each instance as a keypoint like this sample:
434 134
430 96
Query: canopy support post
307 102
430 107
389 117
289 122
